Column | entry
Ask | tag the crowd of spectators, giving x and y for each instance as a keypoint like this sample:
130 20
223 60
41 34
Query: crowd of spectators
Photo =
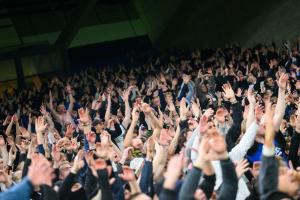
218 123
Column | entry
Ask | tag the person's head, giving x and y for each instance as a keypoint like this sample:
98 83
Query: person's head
156 101
64 170
120 115
186 77
270 81
203 88
273 62
99 125
137 143
61 109
288 180
240 75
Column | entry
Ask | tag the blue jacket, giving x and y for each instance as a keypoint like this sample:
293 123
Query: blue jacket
20 191
189 94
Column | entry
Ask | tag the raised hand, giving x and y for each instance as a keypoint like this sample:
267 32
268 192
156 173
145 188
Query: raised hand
183 109
40 125
258 112
74 144
241 167
203 152
208 113
24 132
40 171
135 114
196 108
251 96
43 110
282 82
125 154
55 153
228 92
128 174
84 116
203 124
15 118
70 130
174 170
78 162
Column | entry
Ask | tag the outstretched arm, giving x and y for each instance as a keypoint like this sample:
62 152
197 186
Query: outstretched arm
129 135
71 103
174 141
280 106
126 120
8 129
108 109
268 176
251 113
55 114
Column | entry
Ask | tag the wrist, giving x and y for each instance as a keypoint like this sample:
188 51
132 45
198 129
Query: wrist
198 164
10 162
8 183
224 156
169 183
86 129
92 146
182 118
122 161
55 164
149 158
74 170
233 100
268 151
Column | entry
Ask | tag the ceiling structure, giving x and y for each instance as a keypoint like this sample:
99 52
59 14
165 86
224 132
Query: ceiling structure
41 22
